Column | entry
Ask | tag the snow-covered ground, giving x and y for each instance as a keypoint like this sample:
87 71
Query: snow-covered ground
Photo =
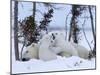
60 64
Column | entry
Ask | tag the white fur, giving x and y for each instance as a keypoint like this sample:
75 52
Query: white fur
31 51
44 50
64 46
82 51
48 48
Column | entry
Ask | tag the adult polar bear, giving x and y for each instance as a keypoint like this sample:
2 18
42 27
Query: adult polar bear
65 48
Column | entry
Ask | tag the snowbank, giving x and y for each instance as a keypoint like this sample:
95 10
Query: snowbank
60 64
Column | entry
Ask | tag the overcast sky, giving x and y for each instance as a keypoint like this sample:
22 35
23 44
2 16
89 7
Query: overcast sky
59 16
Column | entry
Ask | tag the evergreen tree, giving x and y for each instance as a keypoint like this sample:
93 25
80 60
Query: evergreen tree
46 20
28 28
74 27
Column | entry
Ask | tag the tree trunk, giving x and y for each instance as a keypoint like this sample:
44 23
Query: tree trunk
93 30
16 30
71 25
74 27
92 24
34 9
72 22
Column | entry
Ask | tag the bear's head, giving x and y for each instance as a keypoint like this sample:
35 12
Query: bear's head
31 52
56 36
47 40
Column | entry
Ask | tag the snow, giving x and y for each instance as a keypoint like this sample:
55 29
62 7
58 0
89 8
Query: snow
60 64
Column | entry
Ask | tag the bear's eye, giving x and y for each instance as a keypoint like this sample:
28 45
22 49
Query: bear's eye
26 51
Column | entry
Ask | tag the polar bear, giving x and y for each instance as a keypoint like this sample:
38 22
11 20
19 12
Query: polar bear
67 49
44 49
82 51
61 46
31 52
41 50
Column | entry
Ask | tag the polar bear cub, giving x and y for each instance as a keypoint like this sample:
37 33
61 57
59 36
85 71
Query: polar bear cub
61 46
44 50
82 51
31 52
67 49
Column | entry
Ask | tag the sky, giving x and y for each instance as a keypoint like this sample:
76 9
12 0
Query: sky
59 16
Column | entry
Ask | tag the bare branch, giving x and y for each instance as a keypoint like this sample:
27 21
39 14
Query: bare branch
85 35
92 24
66 25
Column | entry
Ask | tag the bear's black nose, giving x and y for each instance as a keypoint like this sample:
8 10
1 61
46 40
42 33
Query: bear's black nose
24 59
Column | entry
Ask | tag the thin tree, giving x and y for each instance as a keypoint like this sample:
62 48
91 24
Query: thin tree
73 24
16 30
33 15
34 9
85 34
66 27
93 30
70 32
74 27
46 20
